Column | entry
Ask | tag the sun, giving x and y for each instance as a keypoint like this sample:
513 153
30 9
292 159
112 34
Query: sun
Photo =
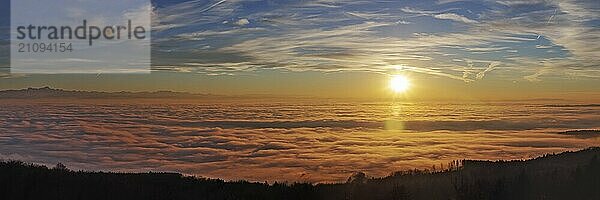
399 83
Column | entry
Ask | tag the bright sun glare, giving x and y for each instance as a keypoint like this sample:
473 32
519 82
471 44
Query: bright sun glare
399 83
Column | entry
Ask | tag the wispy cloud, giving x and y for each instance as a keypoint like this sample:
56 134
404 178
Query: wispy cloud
490 67
455 17
375 35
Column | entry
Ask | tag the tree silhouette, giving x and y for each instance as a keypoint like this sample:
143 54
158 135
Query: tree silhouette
569 175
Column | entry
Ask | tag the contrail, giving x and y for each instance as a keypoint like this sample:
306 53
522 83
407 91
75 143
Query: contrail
212 6
551 17
549 20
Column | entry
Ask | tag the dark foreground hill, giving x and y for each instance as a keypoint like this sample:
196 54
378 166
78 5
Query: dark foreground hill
569 175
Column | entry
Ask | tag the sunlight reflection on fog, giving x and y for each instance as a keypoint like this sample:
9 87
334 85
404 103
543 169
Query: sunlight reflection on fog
327 142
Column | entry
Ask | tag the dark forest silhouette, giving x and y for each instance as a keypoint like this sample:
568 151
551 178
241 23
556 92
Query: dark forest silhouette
569 175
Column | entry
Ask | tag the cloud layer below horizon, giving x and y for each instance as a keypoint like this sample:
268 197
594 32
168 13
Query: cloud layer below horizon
291 142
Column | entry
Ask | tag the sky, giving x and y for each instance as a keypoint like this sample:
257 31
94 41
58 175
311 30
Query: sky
449 49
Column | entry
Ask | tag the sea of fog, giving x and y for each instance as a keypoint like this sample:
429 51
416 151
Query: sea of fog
316 142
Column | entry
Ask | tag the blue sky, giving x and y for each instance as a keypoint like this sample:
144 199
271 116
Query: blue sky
456 39
465 41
